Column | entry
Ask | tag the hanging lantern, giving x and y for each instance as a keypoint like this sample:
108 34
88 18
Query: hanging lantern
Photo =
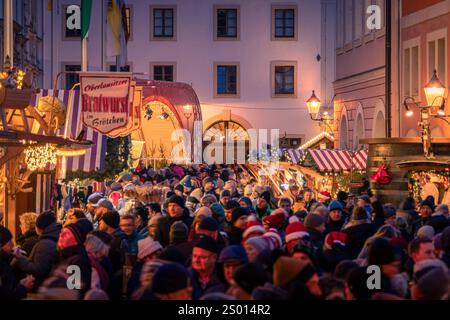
381 176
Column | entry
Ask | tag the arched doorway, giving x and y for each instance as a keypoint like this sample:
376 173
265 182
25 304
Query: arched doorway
237 144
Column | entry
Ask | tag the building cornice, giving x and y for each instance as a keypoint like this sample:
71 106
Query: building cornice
423 15
369 75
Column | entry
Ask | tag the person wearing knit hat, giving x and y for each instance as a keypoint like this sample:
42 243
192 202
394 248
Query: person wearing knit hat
315 225
425 232
275 237
274 220
186 182
148 249
246 202
208 199
203 211
231 257
178 233
295 232
203 266
335 219
247 278
80 229
179 190
208 226
218 213
237 224
289 272
171 281
305 251
334 250
262 207
255 246
45 219
225 196
324 197
254 228
175 199
385 255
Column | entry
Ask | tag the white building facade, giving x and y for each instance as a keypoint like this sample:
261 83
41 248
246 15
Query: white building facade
253 63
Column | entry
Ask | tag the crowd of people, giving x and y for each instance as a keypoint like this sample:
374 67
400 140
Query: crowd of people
214 233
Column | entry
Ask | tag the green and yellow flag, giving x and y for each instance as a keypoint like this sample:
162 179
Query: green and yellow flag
86 7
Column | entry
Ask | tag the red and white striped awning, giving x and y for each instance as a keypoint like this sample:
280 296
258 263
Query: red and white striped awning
339 160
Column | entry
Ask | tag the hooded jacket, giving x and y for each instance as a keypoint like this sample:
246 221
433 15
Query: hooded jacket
10 288
27 241
77 256
43 255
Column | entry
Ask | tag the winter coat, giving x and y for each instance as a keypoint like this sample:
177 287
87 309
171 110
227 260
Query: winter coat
42 257
77 255
235 235
357 236
27 241
333 225
438 222
331 258
309 204
164 224
133 242
316 238
261 213
214 284
10 288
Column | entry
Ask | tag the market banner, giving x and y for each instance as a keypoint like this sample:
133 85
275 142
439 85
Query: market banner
134 121
105 100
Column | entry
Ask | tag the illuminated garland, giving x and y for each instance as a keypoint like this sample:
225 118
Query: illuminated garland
37 157
414 187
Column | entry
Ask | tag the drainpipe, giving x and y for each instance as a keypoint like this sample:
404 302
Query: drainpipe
388 67
399 59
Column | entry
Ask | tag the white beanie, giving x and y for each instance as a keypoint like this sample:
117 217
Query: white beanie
147 247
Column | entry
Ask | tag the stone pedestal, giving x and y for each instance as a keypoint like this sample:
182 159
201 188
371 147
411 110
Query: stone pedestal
394 150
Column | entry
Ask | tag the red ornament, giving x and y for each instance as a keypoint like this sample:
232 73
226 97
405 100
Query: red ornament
381 176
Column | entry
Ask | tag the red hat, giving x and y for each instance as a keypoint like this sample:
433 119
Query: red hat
295 229
335 237
274 235
253 225
276 218
324 195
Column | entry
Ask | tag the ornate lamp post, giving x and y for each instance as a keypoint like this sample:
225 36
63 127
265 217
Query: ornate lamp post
434 93
314 104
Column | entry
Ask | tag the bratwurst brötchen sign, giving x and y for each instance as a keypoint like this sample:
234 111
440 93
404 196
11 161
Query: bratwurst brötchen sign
105 100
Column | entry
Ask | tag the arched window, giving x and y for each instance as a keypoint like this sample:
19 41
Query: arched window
379 129
359 130
343 133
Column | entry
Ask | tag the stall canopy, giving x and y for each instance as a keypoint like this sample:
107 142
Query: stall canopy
339 160
295 155
94 158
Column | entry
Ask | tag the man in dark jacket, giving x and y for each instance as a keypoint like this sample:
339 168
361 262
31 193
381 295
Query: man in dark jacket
358 230
239 217
203 267
72 251
44 254
176 211
315 225
309 199
10 287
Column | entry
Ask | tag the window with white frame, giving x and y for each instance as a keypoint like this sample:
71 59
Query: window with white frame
411 71
437 54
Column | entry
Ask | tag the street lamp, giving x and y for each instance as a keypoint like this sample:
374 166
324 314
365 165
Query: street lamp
434 94
314 104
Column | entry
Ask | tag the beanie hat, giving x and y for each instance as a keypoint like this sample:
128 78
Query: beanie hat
253 225
203 211
233 253
176 199
105 203
295 230
365 197
247 200
208 244
335 205
225 193
208 223
217 210
80 229
248 190
207 180
281 212
95 198
178 232
179 187
426 203
335 238
45 219
105 237
147 246
342 196
259 243
381 252
230 205
250 276
111 218
313 221
274 235
324 195
266 196
274 220
170 278
186 181
306 248
426 232
287 269
238 212
434 284
5 236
